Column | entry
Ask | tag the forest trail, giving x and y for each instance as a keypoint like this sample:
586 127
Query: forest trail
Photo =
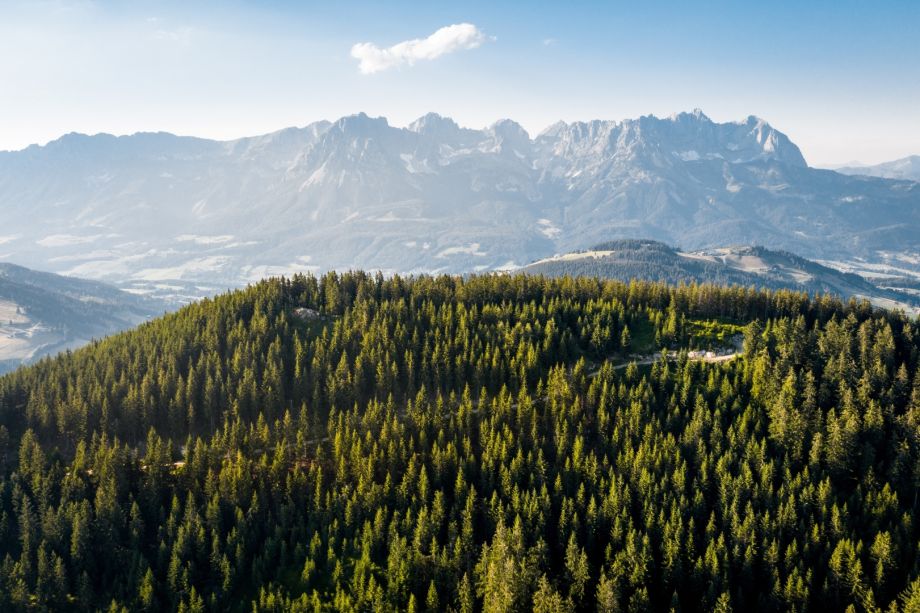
710 359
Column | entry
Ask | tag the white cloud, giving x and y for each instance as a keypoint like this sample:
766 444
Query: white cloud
205 240
66 240
549 42
448 39
182 35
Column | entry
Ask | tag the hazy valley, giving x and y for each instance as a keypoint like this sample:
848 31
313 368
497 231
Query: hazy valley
42 313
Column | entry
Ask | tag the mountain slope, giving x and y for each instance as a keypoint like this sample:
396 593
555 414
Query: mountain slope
745 266
905 168
476 444
41 313
156 211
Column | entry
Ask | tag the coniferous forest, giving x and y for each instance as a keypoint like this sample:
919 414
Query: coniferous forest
358 443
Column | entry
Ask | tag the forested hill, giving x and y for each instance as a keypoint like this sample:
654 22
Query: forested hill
355 443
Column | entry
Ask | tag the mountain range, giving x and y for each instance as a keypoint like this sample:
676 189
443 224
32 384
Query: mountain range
181 217
905 168
43 313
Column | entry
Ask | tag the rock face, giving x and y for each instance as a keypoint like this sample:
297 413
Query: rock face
184 216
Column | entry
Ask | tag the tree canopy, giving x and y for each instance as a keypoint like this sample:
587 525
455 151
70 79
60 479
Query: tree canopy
434 444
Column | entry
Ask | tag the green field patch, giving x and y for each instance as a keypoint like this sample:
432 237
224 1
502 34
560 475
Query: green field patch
712 333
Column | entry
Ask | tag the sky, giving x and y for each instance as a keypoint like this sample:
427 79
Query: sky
841 78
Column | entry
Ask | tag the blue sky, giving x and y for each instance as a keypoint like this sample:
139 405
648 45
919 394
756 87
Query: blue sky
841 78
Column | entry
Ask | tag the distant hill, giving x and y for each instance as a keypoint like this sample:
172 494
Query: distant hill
747 266
905 168
41 313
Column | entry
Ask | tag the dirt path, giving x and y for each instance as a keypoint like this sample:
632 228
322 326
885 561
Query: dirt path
673 356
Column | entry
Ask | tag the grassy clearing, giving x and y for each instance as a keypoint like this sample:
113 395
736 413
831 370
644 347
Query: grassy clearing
712 333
